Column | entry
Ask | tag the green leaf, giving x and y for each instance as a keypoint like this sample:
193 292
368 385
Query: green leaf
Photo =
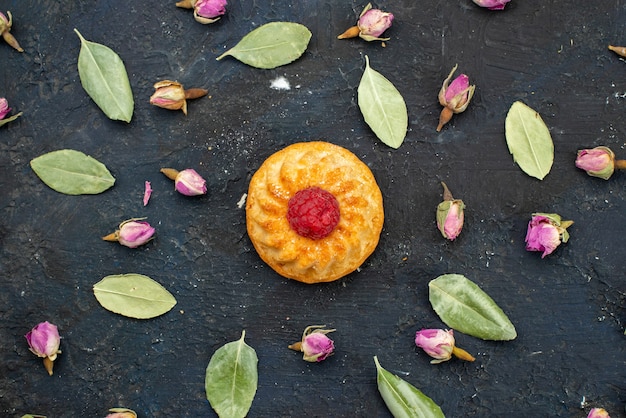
72 172
103 76
271 45
465 307
402 398
382 107
529 140
231 379
133 295
10 118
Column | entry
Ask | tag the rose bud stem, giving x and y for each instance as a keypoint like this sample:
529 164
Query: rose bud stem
112 237
170 173
444 117
447 194
353 32
195 93
48 364
296 346
619 50
619 164
185 4
462 354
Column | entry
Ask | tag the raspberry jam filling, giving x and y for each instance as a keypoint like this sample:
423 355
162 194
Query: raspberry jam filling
313 213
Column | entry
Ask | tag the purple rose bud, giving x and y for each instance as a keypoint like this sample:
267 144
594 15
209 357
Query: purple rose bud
44 341
190 183
597 162
315 345
439 344
450 215
492 4
4 107
122 413
454 97
209 11
132 233
373 23
545 232
5 31
598 413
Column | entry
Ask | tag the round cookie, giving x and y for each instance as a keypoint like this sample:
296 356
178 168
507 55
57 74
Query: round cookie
315 165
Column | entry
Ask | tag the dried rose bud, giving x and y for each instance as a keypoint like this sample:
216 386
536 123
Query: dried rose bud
545 232
598 413
132 233
44 341
454 97
5 31
187 182
597 162
171 95
371 24
492 4
4 107
122 413
450 215
205 11
315 345
439 344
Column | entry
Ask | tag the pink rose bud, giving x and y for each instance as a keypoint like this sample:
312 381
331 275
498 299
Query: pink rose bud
439 344
4 107
187 182
598 413
209 11
132 233
5 31
315 345
171 95
121 413
545 232
371 24
597 162
450 215
44 341
454 97
492 4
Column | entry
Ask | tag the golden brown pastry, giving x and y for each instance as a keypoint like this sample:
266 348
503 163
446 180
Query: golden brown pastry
314 212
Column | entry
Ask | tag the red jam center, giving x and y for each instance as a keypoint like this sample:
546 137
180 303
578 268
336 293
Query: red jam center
313 213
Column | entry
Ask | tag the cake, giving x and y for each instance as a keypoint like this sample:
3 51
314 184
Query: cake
314 212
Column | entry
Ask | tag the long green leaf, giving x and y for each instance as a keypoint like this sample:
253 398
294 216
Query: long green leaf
72 172
271 45
465 307
103 76
402 398
133 295
231 379
382 107
529 140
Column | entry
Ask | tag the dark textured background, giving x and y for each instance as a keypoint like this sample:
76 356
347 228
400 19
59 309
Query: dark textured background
568 308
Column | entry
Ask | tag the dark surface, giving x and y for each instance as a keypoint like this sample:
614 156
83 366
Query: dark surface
568 308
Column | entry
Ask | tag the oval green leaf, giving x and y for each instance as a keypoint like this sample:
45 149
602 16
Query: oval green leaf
465 307
382 107
271 45
403 399
103 76
72 172
133 295
529 140
231 379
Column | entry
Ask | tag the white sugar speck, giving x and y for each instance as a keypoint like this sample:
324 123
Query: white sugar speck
280 83
242 201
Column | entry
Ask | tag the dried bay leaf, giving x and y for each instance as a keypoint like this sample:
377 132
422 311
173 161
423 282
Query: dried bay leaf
382 107
104 78
402 398
72 172
232 378
271 45
465 307
133 295
529 140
